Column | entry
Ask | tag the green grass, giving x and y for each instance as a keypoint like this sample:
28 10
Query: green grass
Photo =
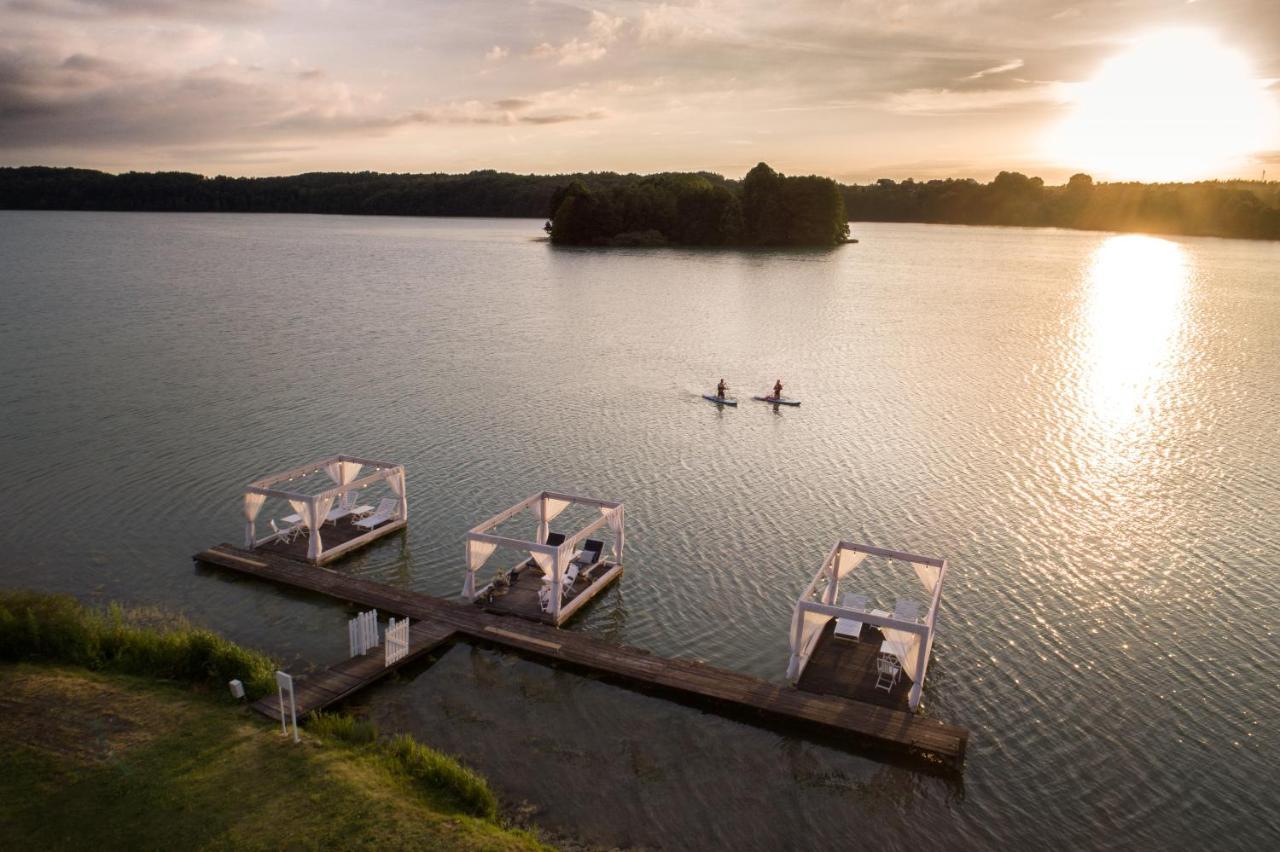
114 761
58 628
439 776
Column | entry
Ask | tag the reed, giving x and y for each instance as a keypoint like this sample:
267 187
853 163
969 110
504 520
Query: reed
58 628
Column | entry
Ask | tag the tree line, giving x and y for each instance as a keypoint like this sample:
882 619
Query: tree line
1209 208
683 208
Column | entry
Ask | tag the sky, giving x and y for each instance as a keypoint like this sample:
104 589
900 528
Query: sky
857 90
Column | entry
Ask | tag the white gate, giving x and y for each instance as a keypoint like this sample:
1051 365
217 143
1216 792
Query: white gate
397 641
362 632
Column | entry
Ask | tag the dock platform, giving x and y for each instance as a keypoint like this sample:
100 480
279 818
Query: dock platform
519 596
326 687
733 693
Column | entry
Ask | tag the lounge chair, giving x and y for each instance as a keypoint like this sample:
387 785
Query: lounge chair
906 610
387 509
589 556
344 507
848 627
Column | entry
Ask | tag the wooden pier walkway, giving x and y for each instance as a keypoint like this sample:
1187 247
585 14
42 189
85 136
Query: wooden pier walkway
740 694
323 688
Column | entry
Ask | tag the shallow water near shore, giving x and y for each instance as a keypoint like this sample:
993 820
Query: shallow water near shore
1082 423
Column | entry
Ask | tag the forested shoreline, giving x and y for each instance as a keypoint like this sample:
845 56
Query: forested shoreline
1247 209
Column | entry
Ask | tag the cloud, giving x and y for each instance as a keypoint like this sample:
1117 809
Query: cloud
952 101
1011 65
602 30
496 53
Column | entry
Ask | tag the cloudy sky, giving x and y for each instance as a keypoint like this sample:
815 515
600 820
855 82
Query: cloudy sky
858 89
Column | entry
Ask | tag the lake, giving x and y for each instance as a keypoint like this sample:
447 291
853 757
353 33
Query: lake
1084 424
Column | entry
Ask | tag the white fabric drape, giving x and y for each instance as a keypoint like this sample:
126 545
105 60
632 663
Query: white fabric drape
928 575
319 510
548 509
478 553
903 645
805 629
545 561
615 520
252 506
396 483
846 561
343 472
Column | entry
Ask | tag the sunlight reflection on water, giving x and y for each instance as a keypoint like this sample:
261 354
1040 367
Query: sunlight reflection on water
1130 330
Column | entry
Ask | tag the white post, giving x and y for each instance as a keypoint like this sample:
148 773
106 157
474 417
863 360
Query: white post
544 526
469 584
283 682
555 584
250 535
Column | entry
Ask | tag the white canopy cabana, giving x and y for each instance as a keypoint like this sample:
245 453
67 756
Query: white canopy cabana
313 507
552 559
911 641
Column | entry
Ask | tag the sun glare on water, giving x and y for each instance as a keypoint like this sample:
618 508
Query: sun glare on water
1176 105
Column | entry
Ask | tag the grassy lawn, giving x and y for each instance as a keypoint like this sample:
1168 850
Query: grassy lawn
116 761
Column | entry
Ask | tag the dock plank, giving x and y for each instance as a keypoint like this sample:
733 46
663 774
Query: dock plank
436 621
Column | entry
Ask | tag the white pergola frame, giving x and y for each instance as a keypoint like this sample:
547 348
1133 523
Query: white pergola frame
345 471
552 559
819 603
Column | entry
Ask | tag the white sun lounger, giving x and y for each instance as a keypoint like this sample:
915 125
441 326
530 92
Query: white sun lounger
386 510
848 627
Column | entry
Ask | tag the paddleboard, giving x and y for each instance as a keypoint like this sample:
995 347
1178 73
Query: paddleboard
777 400
710 397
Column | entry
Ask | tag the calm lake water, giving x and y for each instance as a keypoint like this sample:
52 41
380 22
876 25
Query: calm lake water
1084 424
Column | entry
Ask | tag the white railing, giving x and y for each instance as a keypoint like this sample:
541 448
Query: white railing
397 641
362 633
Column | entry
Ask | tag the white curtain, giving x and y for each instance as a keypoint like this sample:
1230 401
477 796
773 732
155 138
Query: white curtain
548 509
615 520
805 628
343 472
903 645
847 560
478 553
545 561
928 575
396 483
252 506
320 507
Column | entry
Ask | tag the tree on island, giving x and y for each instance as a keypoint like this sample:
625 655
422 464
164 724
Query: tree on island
684 209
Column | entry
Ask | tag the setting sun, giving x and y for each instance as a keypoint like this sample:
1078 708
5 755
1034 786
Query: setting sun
1176 105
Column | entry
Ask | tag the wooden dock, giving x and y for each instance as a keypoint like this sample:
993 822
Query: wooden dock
520 595
324 688
737 694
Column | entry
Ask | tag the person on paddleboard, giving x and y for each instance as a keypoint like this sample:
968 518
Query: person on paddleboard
721 389
777 389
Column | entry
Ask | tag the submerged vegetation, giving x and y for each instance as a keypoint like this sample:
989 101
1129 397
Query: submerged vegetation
688 208
58 628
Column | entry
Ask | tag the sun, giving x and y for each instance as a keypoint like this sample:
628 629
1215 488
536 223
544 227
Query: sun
1175 105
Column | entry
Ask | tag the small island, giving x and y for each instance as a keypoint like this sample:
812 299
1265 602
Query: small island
766 209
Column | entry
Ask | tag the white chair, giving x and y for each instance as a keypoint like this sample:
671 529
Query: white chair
848 627
386 510
566 587
887 672
906 610
286 535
